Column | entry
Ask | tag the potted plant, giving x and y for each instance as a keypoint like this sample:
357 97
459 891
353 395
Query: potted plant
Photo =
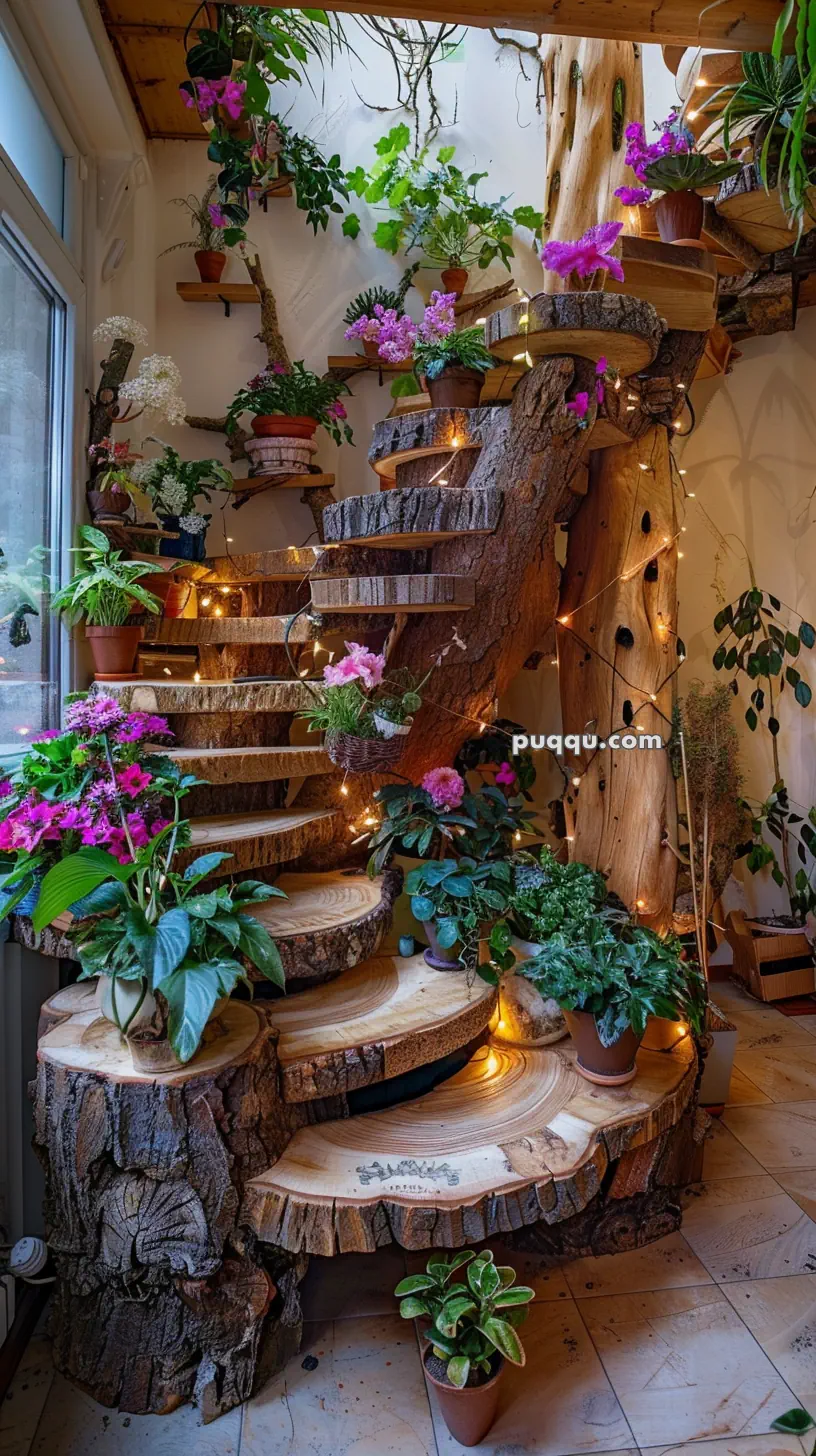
287 406
453 369
346 710
472 1330
102 592
456 900
440 818
584 264
208 239
172 487
170 954
363 315
78 787
669 166
609 979
115 486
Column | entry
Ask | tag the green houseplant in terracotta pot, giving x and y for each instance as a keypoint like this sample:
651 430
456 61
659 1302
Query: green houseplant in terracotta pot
287 405
609 978
208 239
472 1331
102 592
453 368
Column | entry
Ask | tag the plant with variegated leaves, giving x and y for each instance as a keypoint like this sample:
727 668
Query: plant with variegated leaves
470 1323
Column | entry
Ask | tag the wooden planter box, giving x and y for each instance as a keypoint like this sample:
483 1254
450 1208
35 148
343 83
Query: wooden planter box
760 960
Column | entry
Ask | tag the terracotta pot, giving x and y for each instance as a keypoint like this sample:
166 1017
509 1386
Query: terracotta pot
454 280
456 388
679 217
296 427
371 348
468 1413
108 502
114 649
210 265
608 1066
173 595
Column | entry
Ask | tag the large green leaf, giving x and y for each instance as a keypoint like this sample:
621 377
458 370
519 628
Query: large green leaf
414 1284
519 1294
172 942
191 994
412 1307
73 878
503 1336
259 947
205 864
458 1371
796 1421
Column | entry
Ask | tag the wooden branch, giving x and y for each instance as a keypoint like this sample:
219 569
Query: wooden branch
270 334
105 403
722 232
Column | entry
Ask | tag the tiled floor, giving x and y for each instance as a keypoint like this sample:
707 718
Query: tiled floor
693 1345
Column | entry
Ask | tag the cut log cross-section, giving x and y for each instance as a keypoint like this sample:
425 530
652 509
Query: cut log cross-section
625 331
440 442
259 839
438 593
412 518
328 922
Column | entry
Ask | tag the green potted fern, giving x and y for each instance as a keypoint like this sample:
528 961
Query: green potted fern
207 239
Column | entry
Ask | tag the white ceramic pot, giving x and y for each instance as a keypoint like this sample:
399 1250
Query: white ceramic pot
392 730
129 1005
526 1018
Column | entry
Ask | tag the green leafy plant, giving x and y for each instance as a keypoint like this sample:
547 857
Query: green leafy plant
207 238
363 305
761 106
620 976
435 204
471 1323
465 349
686 171
482 825
776 817
293 391
795 173
159 927
104 587
344 708
458 896
549 896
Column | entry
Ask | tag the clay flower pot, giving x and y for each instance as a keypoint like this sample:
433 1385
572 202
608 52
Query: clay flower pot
210 265
454 280
468 1413
173 595
104 504
608 1066
114 649
294 427
456 388
371 348
679 217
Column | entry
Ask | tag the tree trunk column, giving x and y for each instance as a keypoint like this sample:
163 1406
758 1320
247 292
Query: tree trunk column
616 654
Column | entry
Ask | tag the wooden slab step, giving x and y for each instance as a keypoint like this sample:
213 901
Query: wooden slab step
757 215
412 518
255 840
381 1019
215 631
626 331
215 696
251 765
439 593
426 432
680 283
291 563
515 1137
329 922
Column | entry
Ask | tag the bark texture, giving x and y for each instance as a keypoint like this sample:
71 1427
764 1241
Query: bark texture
413 514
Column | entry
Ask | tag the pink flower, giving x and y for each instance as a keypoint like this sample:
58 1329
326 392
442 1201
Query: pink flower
232 97
337 411
138 830
6 788
445 786
587 255
158 825
73 817
602 365
632 196
506 775
133 779
217 217
359 664
579 405
46 735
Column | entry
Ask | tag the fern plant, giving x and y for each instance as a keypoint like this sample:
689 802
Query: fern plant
207 237
364 304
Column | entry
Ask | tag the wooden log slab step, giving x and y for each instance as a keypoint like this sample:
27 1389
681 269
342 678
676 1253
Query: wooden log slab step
680 283
254 840
381 1019
290 563
626 331
329 922
438 593
251 765
243 631
412 518
426 432
516 1137
145 696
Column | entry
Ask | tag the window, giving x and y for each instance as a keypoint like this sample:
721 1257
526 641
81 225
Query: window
28 140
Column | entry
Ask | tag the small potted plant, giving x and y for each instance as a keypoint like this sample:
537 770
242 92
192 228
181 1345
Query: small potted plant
114 487
102 591
453 369
471 1329
609 979
344 710
671 167
173 486
208 239
364 313
287 406
456 901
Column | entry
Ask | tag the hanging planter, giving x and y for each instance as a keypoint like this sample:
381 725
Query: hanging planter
363 755
389 729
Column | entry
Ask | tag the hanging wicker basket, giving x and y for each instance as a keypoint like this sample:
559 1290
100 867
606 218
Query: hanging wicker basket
363 755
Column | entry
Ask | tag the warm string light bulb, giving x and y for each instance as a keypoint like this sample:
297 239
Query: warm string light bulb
219 612
564 621
206 601
196 677
344 790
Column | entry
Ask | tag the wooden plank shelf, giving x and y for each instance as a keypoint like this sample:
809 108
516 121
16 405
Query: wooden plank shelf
680 283
329 922
282 695
251 485
257 765
439 593
377 1021
254 840
412 518
498 386
223 293
515 1137
624 330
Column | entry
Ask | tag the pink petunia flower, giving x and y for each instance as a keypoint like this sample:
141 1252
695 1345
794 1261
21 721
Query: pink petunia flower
445 786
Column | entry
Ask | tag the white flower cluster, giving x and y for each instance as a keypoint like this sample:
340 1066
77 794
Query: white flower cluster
120 327
156 388
143 471
171 495
192 523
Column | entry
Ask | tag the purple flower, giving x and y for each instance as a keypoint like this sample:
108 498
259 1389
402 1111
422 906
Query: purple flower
94 715
585 256
632 196
337 411
217 217
232 97
445 786
46 735
133 779
579 405
438 320
506 775
6 788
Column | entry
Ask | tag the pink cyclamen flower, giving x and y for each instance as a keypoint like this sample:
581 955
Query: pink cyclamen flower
445 786
337 411
217 217
579 405
585 256
133 780
633 196
506 775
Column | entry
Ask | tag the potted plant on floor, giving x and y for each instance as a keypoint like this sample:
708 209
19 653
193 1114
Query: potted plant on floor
208 239
609 979
364 313
473 1329
287 406
102 592
173 486
670 167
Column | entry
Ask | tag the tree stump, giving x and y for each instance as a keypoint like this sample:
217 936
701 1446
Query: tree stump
161 1297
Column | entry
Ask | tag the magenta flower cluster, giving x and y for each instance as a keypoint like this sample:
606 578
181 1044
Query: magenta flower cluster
34 823
92 716
359 665
396 335
225 92
639 153
445 786
587 254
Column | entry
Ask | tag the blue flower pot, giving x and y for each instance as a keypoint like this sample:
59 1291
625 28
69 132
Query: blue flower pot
78 908
28 904
190 546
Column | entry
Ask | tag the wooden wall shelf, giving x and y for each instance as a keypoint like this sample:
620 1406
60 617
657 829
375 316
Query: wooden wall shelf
680 283
498 386
225 293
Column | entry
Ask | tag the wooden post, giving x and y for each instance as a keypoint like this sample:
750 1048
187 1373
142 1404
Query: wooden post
617 654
